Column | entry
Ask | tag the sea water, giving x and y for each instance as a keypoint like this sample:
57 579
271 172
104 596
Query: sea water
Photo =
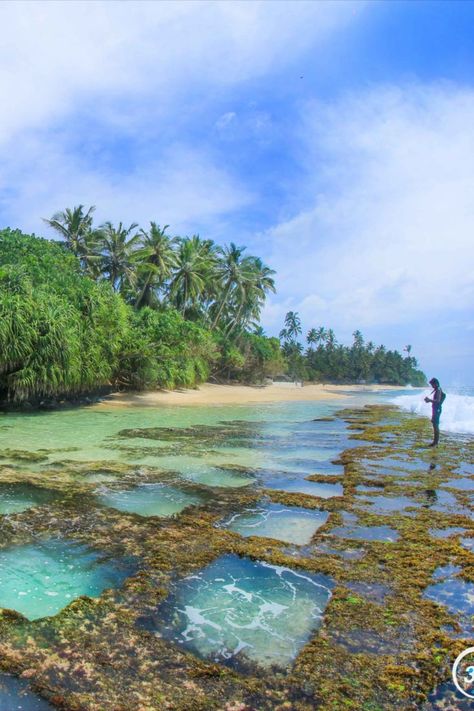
291 524
16 498
238 609
16 696
149 499
458 408
39 579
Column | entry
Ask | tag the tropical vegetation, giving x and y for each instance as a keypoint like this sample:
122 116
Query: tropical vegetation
121 306
326 360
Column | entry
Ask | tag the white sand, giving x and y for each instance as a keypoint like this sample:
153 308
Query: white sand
209 394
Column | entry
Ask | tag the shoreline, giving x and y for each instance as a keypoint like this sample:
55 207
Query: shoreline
210 394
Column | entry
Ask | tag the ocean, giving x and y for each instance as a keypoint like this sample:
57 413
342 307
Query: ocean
458 409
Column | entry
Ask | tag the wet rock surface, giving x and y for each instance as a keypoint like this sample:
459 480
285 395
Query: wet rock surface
379 637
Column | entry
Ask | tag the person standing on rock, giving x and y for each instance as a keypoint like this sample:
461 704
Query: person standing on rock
437 398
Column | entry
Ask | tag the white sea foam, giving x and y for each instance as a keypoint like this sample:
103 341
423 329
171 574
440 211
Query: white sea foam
457 415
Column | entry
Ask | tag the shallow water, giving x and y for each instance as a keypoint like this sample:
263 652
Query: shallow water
468 543
16 498
237 607
386 504
41 578
92 434
454 593
461 484
285 523
444 502
149 500
447 698
446 532
303 486
353 531
16 696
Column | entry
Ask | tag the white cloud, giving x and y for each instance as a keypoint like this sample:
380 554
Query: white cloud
387 234
55 57
183 186
130 69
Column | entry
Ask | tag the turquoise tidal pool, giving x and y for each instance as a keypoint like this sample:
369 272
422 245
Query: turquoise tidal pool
41 578
291 524
237 609
16 498
149 499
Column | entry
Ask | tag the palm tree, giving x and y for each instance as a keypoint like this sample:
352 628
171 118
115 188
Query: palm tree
75 227
230 270
330 339
250 293
193 275
117 254
312 337
155 260
292 325
358 339
321 334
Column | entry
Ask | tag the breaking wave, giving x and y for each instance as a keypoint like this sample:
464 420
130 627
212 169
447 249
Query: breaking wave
457 415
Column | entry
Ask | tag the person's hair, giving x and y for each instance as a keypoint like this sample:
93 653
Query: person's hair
434 382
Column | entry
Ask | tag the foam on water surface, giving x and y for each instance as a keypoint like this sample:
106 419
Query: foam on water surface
238 609
39 579
149 499
458 410
285 523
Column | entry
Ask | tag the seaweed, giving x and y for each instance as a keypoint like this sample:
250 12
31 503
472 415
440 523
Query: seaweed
374 651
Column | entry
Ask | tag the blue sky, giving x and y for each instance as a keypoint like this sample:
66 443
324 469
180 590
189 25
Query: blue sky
334 139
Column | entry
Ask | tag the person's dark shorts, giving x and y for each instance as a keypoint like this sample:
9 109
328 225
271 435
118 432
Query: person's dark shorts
435 417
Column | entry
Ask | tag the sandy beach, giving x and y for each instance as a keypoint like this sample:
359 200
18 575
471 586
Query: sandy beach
209 394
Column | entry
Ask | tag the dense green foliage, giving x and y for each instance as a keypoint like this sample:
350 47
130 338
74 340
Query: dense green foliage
132 308
326 360
135 315
164 349
59 331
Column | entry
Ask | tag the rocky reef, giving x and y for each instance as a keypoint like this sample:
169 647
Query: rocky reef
385 639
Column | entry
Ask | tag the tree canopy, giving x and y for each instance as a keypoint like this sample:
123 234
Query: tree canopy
128 307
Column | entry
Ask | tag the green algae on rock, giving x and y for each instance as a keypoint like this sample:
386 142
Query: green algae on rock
97 654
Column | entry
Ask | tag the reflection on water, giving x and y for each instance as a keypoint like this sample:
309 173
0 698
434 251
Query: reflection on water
446 532
40 579
237 607
387 504
353 531
447 698
456 594
285 523
302 486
